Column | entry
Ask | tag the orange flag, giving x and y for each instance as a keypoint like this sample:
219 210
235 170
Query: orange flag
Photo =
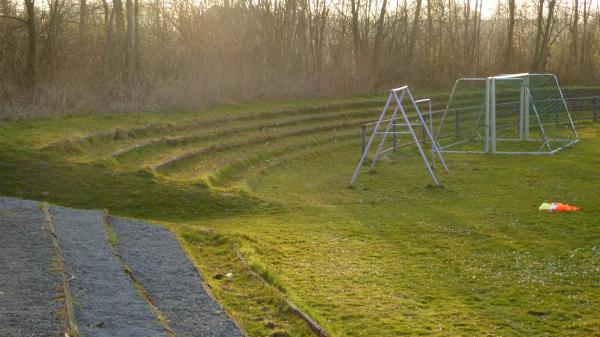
558 207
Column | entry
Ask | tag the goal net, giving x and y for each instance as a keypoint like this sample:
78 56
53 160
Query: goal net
511 114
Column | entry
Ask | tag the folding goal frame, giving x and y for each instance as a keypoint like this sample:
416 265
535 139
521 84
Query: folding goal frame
397 97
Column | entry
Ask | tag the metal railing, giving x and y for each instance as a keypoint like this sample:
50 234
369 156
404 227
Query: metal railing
581 109
588 106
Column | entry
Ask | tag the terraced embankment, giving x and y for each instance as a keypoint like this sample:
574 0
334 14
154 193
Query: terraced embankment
208 149
132 279
229 149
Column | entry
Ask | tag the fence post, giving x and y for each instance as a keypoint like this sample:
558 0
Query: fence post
395 136
363 137
595 109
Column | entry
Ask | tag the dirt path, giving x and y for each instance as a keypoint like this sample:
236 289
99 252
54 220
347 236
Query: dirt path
159 263
29 289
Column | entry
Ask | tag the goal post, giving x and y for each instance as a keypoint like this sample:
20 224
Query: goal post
506 114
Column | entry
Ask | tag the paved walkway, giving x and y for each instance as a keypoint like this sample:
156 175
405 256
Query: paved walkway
105 300
159 263
106 303
28 286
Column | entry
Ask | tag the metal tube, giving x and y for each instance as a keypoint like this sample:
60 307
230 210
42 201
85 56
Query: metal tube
493 114
595 109
456 122
526 111
432 136
573 142
521 111
510 76
395 139
565 103
460 142
387 130
539 120
424 136
447 107
363 138
392 132
416 140
433 144
364 155
486 138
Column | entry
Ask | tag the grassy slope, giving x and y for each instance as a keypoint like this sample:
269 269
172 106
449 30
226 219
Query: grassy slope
391 256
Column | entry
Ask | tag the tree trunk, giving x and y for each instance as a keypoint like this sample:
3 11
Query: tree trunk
120 18
130 59
508 61
475 51
83 15
32 51
136 37
378 36
538 34
109 41
584 38
548 28
355 6
106 12
413 33
574 37
466 63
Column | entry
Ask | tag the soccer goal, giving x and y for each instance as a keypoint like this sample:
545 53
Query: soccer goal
506 114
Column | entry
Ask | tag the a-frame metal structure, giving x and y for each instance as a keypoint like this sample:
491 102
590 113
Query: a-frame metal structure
398 95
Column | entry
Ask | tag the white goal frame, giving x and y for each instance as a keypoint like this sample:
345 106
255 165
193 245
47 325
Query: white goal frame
490 138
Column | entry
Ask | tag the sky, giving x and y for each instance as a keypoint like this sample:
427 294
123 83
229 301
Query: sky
487 8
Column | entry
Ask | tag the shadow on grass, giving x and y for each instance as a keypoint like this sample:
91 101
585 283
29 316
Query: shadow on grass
44 176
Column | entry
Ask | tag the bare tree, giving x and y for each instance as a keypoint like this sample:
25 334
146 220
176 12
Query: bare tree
32 38
131 57
355 7
508 61
414 31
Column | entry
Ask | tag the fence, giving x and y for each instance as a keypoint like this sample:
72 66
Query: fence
581 109
584 108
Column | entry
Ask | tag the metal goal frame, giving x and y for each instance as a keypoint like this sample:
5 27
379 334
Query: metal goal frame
526 104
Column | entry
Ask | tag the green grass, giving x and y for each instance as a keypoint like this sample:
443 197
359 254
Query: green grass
390 256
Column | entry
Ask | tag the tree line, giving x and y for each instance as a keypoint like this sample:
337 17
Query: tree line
63 56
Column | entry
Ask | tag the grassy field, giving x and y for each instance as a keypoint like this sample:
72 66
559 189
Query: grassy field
261 191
